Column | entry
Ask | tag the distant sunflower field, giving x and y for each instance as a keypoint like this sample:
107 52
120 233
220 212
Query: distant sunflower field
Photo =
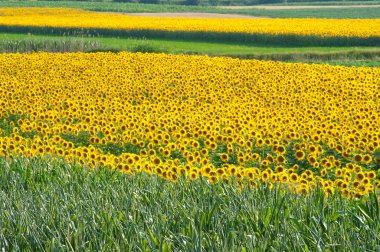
296 127
74 18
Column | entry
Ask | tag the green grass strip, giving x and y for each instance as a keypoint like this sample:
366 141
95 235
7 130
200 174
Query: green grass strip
350 56
49 205
185 46
267 39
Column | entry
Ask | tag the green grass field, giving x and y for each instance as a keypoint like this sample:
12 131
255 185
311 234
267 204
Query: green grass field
358 56
48 205
189 46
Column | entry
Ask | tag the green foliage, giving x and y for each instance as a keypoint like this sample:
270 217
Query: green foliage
214 2
47 204
81 139
145 48
116 149
191 2
121 1
269 1
150 1
5 124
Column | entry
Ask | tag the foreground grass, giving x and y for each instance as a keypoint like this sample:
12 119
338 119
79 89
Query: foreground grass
370 12
50 205
350 56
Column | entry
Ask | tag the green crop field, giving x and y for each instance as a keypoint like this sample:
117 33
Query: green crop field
49 205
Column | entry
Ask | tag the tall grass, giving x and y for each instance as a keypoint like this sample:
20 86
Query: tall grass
48 205
49 45
71 45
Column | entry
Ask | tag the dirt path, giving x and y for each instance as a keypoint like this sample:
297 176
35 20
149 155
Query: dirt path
292 7
192 15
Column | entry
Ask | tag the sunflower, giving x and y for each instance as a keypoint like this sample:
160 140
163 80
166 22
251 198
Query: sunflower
270 159
252 184
284 178
367 159
280 159
280 169
156 161
206 170
281 149
323 172
329 191
371 174
346 193
166 153
213 179
359 176
224 157
357 158
300 155
338 172
264 176
204 151
312 159
193 175
365 181
304 189
294 177
328 165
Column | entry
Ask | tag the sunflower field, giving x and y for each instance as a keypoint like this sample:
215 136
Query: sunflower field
122 151
293 126
74 18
